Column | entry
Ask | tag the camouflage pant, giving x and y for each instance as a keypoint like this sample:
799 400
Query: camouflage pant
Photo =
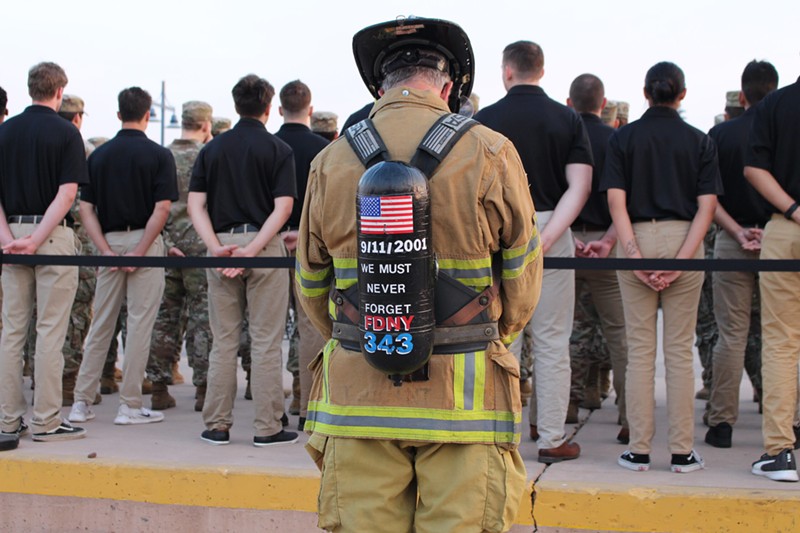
292 333
526 352
707 332
183 314
587 345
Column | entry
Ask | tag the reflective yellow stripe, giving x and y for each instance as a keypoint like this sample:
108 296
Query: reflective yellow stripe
458 380
346 272
480 382
516 259
509 339
464 437
475 273
326 357
312 284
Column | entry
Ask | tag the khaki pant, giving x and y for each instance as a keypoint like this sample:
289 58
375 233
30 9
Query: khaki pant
398 486
780 323
53 288
604 288
552 325
142 290
311 343
660 240
733 297
265 295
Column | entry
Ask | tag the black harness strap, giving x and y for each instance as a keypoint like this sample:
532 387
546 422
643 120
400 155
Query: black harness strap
366 143
440 139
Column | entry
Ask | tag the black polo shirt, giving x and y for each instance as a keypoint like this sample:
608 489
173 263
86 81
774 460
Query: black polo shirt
242 171
741 200
305 145
775 138
663 164
128 175
39 152
595 212
547 135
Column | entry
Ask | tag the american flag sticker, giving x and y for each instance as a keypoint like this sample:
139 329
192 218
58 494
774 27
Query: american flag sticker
387 214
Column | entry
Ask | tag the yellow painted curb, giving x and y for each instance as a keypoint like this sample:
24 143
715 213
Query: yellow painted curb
665 509
568 505
239 488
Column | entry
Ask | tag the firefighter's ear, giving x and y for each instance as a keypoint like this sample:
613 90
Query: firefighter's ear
445 94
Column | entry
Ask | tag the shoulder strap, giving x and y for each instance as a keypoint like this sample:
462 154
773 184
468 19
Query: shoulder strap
439 140
366 143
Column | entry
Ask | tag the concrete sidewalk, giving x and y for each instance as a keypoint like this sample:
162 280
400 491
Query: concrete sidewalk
157 476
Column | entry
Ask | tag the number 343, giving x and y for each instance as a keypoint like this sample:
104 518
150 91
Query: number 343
402 345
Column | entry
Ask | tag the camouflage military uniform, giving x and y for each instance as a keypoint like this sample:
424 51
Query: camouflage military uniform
706 329
587 345
184 309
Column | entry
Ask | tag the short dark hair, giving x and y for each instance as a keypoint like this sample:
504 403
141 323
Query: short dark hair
525 57
45 79
3 100
252 96
134 102
758 80
68 115
664 82
295 96
587 93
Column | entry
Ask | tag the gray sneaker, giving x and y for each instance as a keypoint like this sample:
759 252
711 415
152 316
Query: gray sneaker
80 412
127 416
779 467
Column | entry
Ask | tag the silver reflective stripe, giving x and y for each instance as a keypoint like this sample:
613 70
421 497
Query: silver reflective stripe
345 273
469 381
467 273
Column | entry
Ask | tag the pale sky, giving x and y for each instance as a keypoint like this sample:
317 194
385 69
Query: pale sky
201 48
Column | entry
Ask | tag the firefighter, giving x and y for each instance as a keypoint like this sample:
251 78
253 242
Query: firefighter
439 452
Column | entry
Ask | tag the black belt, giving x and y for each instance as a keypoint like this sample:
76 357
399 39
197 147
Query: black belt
583 228
244 228
34 219
124 228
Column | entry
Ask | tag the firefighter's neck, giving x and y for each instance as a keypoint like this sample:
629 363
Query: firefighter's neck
420 84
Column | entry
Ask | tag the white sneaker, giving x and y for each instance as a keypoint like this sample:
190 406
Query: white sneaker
128 415
80 412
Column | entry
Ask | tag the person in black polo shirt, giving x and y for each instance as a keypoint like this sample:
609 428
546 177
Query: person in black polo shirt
662 179
42 162
598 303
742 215
240 196
296 111
771 166
555 150
124 208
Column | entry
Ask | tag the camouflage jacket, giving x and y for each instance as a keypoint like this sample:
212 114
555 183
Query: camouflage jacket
179 231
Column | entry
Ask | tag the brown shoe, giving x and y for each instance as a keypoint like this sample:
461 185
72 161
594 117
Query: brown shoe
108 386
624 436
565 452
200 398
702 394
605 382
534 432
147 386
572 413
161 398
177 377
67 390
117 375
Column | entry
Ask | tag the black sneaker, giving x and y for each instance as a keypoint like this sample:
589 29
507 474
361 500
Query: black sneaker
683 463
216 436
65 431
796 430
638 462
301 424
779 467
21 430
284 437
284 420
719 436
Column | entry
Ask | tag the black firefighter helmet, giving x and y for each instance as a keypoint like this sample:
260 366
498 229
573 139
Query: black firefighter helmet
398 44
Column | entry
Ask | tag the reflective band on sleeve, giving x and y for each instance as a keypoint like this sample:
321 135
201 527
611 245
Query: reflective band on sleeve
516 259
312 284
346 272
